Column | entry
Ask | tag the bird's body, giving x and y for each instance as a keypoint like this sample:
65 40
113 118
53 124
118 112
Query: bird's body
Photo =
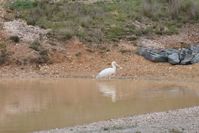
107 72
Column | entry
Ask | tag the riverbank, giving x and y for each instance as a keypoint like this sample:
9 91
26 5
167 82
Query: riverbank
177 121
76 59
83 45
135 68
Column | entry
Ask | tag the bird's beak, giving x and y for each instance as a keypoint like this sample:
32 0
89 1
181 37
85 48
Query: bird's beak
118 66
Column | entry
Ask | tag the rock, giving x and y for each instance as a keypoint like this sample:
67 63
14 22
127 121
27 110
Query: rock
170 51
146 43
195 59
194 48
26 33
153 55
184 56
142 51
187 60
173 58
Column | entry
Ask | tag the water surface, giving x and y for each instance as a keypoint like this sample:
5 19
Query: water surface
40 104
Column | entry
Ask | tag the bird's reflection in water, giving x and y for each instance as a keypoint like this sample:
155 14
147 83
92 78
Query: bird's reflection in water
107 90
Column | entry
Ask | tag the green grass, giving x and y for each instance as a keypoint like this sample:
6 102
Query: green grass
3 56
2 45
22 4
107 22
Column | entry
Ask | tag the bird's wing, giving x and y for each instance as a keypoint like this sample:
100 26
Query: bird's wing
105 72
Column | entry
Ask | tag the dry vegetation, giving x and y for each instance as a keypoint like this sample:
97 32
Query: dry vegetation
109 21
100 25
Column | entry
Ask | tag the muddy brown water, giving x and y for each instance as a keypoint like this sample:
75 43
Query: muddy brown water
41 104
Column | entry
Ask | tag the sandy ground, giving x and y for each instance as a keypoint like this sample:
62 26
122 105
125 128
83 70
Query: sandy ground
79 60
178 121
134 67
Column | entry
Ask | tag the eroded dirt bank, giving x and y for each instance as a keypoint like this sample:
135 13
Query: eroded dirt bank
134 67
73 58
76 59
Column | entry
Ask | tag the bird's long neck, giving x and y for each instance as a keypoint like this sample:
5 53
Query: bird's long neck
114 67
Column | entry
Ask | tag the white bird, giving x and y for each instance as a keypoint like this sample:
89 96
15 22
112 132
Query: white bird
107 72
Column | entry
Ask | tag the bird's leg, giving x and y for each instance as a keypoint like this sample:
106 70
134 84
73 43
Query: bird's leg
110 77
113 75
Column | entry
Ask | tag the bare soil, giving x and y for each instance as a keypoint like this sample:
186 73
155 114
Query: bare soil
79 60
76 59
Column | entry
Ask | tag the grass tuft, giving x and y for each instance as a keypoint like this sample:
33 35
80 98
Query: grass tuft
107 21
22 4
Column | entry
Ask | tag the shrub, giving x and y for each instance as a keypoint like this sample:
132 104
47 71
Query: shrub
3 56
31 21
191 8
35 45
44 58
174 7
147 8
106 21
2 45
15 39
43 53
